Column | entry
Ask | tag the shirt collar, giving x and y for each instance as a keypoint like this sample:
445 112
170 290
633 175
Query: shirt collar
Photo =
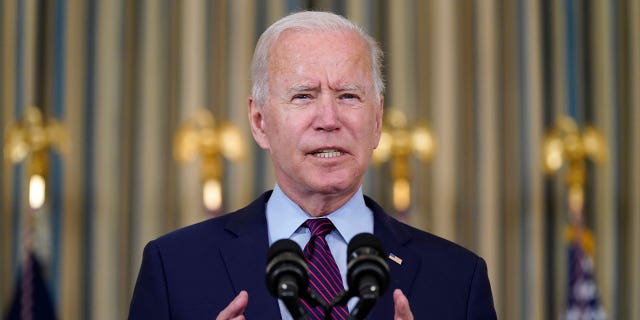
284 217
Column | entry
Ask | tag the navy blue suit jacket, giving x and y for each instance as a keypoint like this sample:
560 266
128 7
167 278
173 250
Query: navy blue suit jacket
194 272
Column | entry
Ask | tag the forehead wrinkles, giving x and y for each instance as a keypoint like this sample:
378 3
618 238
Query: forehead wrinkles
345 63
313 47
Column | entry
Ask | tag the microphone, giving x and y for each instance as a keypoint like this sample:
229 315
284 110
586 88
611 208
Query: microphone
367 272
287 276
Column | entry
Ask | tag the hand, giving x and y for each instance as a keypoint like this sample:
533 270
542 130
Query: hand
235 308
401 306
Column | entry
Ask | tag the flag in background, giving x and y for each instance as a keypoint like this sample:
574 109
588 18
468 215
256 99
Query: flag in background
31 300
583 302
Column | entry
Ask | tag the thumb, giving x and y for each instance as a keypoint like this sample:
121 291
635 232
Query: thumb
235 308
401 306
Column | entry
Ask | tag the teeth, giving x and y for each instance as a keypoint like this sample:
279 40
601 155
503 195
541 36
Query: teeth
329 153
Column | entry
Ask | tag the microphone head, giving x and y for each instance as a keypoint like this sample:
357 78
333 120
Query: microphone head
365 240
285 263
283 245
366 264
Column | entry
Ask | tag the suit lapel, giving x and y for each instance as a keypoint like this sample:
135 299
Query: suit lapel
245 258
402 268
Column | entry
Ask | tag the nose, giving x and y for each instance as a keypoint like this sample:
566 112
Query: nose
327 117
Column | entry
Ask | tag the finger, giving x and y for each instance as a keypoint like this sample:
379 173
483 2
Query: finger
235 308
401 306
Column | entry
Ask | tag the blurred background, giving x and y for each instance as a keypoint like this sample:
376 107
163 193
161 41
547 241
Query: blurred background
105 103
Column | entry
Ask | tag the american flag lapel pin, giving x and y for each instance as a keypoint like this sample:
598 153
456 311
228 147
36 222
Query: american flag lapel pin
395 258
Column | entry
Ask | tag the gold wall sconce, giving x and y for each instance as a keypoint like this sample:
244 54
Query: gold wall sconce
31 139
563 144
201 136
398 142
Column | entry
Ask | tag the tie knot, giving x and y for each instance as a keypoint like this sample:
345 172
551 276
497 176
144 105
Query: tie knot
319 227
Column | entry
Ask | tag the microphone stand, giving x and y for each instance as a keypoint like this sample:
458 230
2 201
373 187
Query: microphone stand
368 297
342 298
369 292
362 308
314 300
288 293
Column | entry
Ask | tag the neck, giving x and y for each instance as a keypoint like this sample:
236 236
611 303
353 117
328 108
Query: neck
319 204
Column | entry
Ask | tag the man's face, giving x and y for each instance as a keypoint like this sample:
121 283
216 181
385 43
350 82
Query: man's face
321 120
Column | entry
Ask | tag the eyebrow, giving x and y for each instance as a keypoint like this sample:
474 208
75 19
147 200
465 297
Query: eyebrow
349 87
302 87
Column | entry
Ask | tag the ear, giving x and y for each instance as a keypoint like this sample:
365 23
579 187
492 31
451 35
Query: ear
378 128
256 120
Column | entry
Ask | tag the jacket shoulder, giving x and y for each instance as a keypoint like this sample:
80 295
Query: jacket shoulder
427 243
217 230
422 243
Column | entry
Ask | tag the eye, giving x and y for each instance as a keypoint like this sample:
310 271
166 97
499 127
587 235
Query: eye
301 96
349 96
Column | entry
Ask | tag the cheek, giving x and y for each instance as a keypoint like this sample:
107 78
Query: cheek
283 134
292 123
272 124
368 131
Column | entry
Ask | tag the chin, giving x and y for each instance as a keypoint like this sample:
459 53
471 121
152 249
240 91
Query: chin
333 186
329 189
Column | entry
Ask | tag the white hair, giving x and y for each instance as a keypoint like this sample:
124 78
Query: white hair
307 20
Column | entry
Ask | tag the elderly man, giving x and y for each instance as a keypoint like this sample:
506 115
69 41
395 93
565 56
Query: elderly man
316 107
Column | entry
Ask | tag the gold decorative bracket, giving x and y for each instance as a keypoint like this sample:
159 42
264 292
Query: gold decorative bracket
31 140
398 142
201 136
563 144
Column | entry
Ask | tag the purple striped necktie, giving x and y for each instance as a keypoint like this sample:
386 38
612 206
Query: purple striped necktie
324 275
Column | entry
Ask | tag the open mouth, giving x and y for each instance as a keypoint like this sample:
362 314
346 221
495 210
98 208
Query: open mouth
327 153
